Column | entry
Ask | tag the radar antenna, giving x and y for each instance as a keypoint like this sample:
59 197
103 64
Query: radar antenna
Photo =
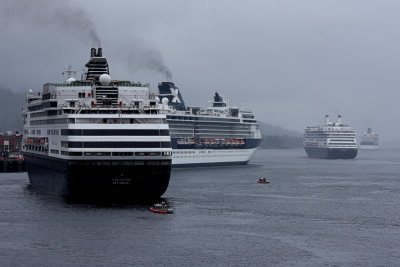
68 72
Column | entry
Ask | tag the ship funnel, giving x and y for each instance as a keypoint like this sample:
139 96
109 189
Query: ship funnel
97 65
93 52
339 119
326 119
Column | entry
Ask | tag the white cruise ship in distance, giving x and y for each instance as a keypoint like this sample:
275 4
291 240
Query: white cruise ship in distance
97 137
220 134
333 140
369 140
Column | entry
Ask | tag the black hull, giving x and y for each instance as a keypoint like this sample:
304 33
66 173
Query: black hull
327 153
112 179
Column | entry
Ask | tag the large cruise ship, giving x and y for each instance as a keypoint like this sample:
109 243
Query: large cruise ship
333 140
369 140
217 135
97 136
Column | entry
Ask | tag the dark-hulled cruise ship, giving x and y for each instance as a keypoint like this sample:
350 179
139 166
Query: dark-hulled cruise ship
333 140
97 136
220 134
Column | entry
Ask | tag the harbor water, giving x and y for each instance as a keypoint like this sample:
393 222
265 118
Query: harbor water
314 212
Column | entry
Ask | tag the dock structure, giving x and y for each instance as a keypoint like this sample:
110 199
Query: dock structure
11 158
12 165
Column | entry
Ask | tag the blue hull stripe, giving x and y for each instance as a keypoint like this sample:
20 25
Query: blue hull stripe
250 143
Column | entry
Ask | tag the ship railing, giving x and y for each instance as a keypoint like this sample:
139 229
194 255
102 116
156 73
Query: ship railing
96 121
142 121
80 109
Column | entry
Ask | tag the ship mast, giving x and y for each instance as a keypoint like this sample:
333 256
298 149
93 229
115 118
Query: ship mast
68 72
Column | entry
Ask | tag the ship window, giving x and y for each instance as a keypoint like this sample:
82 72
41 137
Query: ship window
122 154
97 153
109 132
118 144
153 162
72 104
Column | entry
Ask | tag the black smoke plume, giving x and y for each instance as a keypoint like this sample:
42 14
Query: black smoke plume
51 15
142 56
61 17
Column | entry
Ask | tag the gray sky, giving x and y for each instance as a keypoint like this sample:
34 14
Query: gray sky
290 62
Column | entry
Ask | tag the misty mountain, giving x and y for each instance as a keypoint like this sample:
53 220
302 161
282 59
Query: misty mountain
395 144
11 104
272 130
278 137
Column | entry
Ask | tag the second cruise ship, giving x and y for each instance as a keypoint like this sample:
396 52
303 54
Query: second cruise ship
369 140
333 140
220 134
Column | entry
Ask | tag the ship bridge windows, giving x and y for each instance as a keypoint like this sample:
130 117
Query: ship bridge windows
47 104
247 115
46 113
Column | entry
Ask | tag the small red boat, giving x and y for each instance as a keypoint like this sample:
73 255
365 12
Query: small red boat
263 181
158 211
161 208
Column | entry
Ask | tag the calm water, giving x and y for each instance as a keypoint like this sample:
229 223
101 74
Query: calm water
314 212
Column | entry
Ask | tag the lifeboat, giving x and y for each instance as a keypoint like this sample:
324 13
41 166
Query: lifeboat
242 142
181 142
228 142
